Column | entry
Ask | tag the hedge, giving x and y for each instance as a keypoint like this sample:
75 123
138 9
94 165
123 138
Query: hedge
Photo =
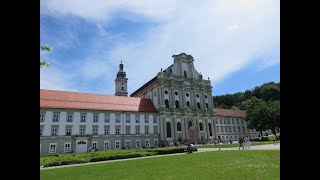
167 150
77 158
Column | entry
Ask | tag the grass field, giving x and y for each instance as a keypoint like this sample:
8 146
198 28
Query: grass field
234 145
262 164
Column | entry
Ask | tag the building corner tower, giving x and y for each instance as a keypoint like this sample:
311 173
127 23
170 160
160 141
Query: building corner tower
121 82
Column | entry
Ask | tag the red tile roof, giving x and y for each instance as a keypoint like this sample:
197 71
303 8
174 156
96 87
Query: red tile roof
229 112
77 100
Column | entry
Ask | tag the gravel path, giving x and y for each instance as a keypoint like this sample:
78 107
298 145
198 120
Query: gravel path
258 147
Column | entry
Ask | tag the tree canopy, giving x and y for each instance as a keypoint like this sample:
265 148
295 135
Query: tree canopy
267 92
43 62
262 105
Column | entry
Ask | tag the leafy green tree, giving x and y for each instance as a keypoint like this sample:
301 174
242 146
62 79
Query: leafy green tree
42 62
257 115
274 115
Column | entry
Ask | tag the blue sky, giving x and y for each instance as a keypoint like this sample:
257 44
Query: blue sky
236 43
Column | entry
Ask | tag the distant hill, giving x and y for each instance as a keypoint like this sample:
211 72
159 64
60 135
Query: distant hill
268 92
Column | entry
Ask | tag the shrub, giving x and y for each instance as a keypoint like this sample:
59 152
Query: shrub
167 150
77 158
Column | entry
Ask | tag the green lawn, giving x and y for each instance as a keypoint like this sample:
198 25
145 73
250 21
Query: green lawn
234 145
262 164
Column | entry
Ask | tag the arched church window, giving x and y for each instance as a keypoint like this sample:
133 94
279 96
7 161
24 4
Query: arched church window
207 106
176 93
166 102
205 96
187 94
197 95
190 124
178 126
168 130
210 131
188 103
201 127
177 104
198 105
166 92
122 88
185 73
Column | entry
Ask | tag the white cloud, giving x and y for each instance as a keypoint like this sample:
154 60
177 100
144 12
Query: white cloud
55 79
222 36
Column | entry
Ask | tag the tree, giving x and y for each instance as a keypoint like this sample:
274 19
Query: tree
274 115
42 62
257 115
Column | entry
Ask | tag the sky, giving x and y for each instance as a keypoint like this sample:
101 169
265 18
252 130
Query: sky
236 43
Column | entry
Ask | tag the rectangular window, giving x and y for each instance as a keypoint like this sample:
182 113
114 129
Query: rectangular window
128 144
69 118
137 119
52 147
156 144
95 130
232 121
147 143
83 117
137 143
155 129
68 131
221 129
146 119
230 129
67 147
146 129
127 118
217 128
82 131
94 145
106 145
55 117
127 129
234 129
237 121
241 122
239 129
226 129
95 118
117 118
228 121
41 131
224 121
117 130
220 120
243 129
107 118
106 130
117 144
155 119
137 129
54 131
41 117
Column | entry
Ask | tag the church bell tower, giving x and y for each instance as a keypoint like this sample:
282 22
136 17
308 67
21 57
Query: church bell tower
121 82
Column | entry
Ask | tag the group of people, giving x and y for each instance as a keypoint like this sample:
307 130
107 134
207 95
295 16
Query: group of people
244 142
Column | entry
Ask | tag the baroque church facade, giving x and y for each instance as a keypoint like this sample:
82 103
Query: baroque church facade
174 107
